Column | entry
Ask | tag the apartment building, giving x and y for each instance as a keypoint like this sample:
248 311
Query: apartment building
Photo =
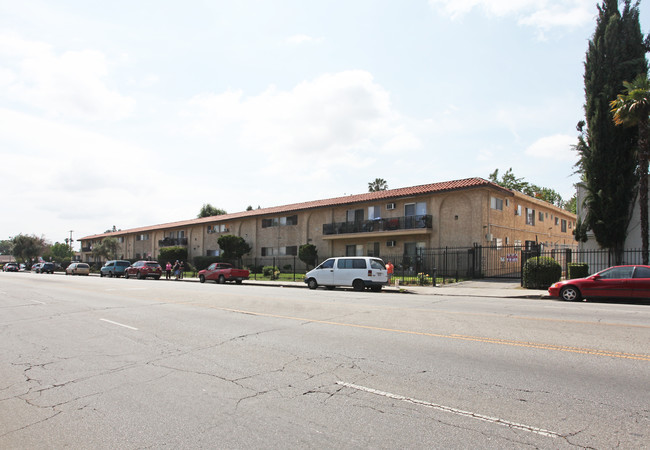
459 213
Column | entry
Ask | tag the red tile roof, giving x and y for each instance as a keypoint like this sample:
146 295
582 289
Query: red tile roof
468 183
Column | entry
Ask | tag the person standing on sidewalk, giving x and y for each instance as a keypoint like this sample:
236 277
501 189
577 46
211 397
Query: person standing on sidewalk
389 271
168 271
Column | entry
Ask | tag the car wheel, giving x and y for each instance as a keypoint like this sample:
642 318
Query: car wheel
312 284
140 276
222 279
101 274
201 279
570 294
157 277
110 274
238 281
126 275
358 285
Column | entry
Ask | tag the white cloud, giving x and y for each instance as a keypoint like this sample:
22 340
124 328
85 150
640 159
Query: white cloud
556 147
336 120
541 14
71 84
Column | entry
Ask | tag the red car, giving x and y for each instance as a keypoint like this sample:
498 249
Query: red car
143 269
615 282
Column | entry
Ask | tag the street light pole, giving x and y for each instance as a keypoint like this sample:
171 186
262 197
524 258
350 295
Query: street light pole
71 240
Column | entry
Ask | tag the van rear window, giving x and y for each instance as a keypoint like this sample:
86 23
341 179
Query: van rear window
123 263
351 263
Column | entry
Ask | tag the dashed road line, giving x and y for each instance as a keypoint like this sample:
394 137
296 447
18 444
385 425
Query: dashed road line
119 324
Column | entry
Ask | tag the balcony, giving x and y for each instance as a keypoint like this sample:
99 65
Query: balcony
171 242
392 224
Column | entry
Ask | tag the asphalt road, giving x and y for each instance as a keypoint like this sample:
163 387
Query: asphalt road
90 362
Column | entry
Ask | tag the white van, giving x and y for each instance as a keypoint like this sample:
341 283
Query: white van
360 272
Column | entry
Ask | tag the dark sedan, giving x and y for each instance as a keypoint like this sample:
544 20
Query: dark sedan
615 282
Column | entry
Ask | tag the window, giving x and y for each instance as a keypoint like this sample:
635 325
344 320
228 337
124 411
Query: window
540 216
372 249
142 237
617 273
518 210
374 212
507 202
563 227
415 209
641 272
557 221
329 264
354 250
292 250
351 263
530 216
354 215
496 203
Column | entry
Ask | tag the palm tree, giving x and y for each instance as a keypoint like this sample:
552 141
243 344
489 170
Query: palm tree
632 108
378 185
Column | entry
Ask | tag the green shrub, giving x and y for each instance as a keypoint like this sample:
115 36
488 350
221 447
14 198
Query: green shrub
540 272
578 270
172 254
270 271
202 262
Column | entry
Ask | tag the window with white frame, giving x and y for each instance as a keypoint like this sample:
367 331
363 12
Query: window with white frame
374 212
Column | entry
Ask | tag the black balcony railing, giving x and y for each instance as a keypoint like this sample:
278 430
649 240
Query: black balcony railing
170 242
374 225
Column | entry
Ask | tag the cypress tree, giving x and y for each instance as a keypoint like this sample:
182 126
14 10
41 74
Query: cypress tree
616 53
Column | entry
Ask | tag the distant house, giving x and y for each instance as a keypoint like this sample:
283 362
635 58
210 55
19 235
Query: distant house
6 258
459 213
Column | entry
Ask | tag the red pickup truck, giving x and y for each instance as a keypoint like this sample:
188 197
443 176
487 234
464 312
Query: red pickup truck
222 272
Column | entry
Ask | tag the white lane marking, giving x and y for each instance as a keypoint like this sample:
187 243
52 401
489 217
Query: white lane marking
125 289
36 301
449 409
119 324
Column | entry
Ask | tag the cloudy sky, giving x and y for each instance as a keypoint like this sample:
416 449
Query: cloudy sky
128 113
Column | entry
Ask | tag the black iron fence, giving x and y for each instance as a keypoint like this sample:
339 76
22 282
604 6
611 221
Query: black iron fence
455 263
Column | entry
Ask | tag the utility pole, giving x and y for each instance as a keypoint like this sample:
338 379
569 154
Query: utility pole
71 240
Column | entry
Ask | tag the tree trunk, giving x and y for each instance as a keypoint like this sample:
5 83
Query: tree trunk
643 187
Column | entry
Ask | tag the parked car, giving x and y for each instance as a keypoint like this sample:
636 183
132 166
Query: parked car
114 268
11 267
144 269
360 272
222 272
78 268
614 282
45 267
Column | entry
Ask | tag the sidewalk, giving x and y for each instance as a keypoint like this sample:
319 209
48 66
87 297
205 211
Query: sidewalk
472 288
